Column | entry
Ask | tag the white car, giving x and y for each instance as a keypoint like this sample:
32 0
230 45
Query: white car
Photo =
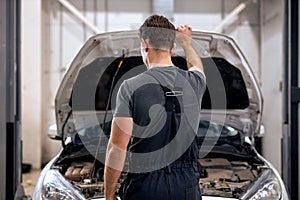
229 165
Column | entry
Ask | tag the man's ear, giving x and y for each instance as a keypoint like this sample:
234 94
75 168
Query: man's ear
145 44
173 49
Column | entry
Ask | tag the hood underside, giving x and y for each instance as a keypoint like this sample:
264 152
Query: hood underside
232 96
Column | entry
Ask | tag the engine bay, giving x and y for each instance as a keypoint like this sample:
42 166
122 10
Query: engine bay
221 175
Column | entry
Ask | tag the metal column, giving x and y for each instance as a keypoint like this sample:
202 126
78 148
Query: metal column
290 150
10 139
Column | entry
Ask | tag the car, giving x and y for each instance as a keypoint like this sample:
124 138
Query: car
232 105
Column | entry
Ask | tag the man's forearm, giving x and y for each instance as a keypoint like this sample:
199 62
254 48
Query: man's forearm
115 159
116 154
192 58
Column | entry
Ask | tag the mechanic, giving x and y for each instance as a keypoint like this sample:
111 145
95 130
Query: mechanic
156 120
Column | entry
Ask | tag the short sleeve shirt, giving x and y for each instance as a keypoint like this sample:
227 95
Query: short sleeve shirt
124 105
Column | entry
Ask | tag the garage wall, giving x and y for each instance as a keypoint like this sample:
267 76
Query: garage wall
31 81
63 35
272 76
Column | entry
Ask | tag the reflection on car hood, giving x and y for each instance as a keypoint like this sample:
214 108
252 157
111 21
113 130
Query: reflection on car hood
208 45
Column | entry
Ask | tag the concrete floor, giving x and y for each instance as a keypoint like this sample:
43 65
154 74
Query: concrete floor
29 181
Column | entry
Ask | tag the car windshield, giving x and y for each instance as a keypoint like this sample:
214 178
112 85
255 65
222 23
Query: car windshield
208 134
206 129
211 129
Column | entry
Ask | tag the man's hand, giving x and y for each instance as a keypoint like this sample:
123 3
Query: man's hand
184 35
111 198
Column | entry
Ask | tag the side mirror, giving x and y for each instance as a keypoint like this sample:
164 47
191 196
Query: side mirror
52 132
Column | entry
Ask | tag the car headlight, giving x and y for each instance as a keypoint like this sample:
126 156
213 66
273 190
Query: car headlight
55 186
269 191
52 186
267 187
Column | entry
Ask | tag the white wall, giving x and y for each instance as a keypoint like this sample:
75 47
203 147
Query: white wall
200 15
272 75
31 81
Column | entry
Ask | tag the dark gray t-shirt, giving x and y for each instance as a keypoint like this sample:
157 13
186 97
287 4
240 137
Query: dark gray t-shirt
124 97
143 99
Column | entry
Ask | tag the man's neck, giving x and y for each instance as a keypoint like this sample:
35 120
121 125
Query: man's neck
159 59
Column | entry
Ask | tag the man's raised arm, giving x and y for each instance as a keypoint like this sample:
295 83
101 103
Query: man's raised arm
184 37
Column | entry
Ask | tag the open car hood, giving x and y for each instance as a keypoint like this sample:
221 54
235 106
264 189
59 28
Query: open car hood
97 60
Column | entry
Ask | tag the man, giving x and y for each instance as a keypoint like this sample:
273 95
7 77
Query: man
156 118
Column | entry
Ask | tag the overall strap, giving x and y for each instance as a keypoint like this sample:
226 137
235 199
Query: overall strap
174 95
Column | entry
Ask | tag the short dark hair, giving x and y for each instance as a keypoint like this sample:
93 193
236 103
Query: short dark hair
160 32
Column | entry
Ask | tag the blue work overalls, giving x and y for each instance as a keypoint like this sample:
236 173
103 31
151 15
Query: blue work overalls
180 179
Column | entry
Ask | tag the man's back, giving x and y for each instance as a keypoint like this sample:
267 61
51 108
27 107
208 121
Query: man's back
163 136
